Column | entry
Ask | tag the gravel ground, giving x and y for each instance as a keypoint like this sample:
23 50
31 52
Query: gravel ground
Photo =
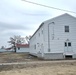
66 67
24 64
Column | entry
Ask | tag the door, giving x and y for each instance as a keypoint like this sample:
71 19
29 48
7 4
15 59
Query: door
68 46
42 50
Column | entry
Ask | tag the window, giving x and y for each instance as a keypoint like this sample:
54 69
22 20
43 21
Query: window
18 48
38 44
42 30
39 34
66 28
34 46
69 43
65 44
48 50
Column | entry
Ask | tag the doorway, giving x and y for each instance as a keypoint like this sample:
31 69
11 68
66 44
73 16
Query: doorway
68 56
68 46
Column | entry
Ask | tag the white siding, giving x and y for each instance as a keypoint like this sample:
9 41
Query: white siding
38 40
56 27
60 36
22 50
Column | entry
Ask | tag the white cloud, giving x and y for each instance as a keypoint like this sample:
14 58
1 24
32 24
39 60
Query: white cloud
21 18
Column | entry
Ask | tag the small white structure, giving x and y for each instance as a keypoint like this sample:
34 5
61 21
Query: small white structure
20 48
55 38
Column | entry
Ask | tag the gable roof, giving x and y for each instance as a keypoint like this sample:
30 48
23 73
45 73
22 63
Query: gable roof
66 14
38 29
22 45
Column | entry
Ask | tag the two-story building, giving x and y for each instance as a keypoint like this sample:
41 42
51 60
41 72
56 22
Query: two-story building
55 38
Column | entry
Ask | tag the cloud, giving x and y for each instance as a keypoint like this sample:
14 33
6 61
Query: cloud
21 18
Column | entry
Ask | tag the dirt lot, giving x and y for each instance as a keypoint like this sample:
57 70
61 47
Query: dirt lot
15 57
35 66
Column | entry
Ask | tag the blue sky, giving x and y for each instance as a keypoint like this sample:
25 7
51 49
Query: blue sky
18 17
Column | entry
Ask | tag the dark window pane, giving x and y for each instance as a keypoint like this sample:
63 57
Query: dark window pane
18 48
65 44
42 31
39 34
34 46
66 28
69 44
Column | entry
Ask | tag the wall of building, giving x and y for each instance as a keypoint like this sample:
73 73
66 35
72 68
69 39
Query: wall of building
22 50
53 56
60 36
57 37
37 41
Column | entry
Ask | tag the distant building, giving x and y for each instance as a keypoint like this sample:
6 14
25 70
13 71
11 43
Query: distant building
22 47
55 38
9 49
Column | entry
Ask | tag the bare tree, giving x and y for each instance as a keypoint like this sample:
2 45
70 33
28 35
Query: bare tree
18 40
12 43
15 40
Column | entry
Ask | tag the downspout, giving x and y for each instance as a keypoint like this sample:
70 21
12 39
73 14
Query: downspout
49 35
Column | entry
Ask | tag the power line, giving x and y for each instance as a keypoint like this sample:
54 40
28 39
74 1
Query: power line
49 7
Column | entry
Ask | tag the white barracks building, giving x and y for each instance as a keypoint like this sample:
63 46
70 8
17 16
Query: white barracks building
55 38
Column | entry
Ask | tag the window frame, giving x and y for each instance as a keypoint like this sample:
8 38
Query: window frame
69 44
35 46
65 44
66 29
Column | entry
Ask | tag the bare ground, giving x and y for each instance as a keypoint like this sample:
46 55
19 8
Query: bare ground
35 66
9 57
